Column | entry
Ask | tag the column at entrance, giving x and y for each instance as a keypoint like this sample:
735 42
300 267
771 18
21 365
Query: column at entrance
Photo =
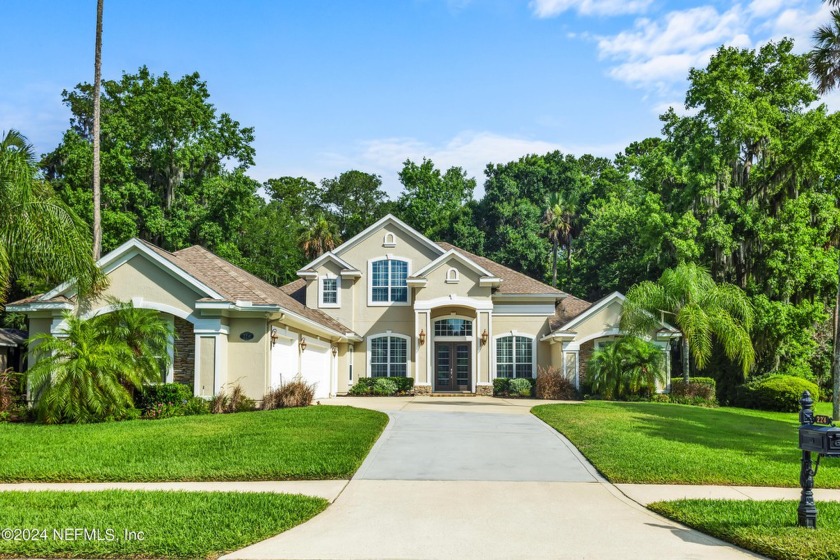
422 354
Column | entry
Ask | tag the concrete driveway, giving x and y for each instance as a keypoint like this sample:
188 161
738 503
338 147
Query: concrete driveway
481 478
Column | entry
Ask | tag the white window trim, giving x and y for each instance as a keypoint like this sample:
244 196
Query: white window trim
369 353
453 276
337 303
370 301
533 352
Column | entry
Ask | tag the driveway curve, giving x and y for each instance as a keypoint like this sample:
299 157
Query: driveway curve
482 478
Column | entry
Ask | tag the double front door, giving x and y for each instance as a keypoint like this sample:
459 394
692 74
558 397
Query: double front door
453 364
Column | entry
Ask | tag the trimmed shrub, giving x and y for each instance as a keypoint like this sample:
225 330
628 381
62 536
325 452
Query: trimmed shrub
171 394
227 402
660 398
698 390
501 386
780 393
367 386
405 385
384 386
552 384
520 387
363 386
289 395
170 399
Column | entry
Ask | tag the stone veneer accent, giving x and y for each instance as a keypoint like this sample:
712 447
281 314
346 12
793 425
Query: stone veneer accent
184 362
422 389
586 350
484 390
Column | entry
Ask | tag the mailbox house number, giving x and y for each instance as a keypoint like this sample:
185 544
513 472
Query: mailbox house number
246 335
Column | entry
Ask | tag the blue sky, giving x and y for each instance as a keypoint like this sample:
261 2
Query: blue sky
338 85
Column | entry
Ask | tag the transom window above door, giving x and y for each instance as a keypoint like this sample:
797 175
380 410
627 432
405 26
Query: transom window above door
453 327
514 356
388 281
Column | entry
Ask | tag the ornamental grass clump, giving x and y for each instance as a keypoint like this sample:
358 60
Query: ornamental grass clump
552 384
234 400
294 394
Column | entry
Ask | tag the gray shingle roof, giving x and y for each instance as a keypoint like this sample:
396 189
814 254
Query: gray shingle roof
512 282
236 284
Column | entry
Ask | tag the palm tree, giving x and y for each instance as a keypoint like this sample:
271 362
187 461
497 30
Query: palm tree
90 372
148 338
97 84
321 236
825 68
626 367
39 235
702 310
77 376
558 223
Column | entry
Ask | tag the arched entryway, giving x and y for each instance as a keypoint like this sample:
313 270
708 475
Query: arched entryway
453 349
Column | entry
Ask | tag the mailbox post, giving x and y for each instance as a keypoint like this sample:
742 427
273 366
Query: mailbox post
817 434
807 510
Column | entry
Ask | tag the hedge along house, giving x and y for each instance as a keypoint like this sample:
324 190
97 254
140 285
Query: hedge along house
388 302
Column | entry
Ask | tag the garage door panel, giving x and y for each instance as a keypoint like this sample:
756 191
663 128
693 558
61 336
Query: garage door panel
315 369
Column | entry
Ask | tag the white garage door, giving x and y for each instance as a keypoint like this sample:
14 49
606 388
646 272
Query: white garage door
284 361
315 369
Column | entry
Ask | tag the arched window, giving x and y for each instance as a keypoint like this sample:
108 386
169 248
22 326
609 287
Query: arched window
388 355
515 356
452 276
453 327
388 281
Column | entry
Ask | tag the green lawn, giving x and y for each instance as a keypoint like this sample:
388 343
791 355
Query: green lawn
316 442
768 528
674 444
173 524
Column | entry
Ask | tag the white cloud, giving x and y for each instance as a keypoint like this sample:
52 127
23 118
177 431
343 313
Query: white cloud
470 150
553 8
657 53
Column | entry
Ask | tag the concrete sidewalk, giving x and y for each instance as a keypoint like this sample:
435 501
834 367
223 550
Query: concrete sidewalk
327 489
648 493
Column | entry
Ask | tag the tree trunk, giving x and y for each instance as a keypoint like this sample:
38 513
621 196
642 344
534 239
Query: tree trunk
685 360
835 364
97 84
555 245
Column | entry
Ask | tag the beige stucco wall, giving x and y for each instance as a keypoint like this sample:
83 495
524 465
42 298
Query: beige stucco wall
248 360
370 320
37 325
603 320
140 278
467 286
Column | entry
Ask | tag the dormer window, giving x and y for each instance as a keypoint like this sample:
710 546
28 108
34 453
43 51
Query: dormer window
328 292
388 281
452 276
389 240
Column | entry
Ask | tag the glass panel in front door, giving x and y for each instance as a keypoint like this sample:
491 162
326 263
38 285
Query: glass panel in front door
462 366
443 367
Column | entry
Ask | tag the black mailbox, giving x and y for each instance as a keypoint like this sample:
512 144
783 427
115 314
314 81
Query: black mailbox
824 440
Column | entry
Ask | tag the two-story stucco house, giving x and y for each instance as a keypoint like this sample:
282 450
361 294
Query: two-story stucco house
388 302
